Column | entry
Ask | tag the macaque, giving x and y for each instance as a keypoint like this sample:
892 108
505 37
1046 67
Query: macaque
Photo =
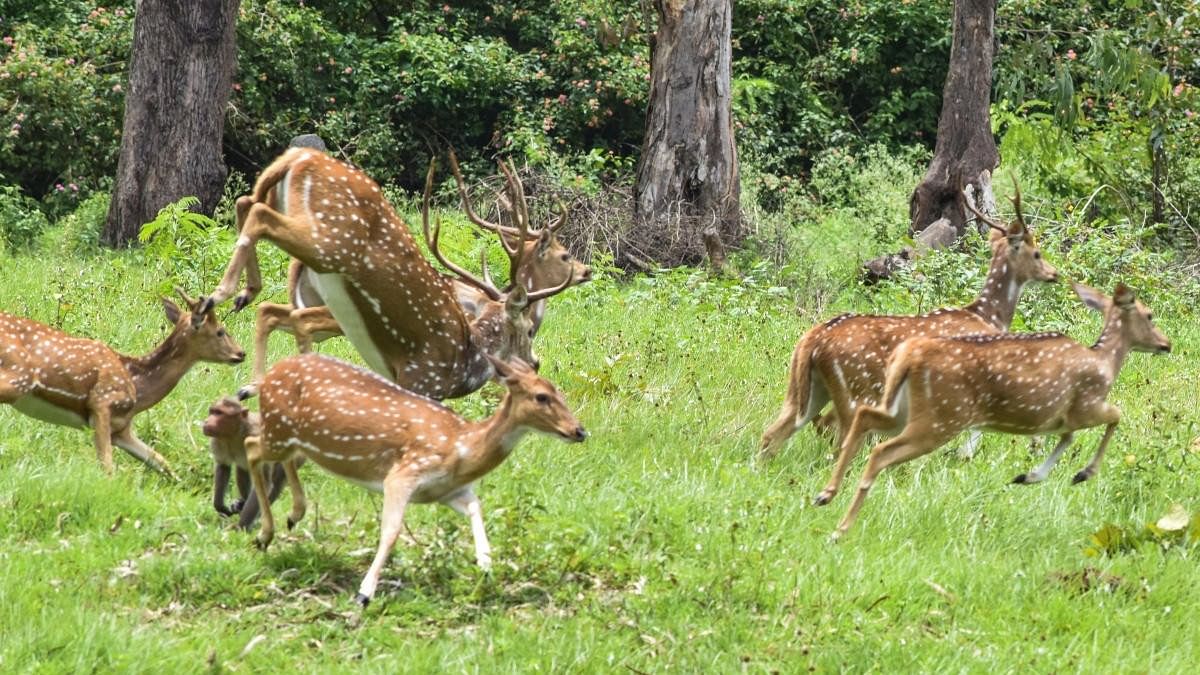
228 424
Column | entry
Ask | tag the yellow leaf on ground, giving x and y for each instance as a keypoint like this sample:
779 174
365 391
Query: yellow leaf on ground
1175 519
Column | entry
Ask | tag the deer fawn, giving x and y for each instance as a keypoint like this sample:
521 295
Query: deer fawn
398 312
370 431
83 383
1034 383
541 263
843 359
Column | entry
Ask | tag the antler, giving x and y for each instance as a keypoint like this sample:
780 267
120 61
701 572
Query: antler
466 276
1016 200
980 215
534 296
515 202
564 210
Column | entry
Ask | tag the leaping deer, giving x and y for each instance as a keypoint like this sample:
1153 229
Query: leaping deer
82 383
400 314
843 360
369 431
1033 383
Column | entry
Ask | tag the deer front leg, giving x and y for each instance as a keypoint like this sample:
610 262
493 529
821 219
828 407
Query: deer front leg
101 423
1113 416
254 458
310 321
865 420
270 317
396 492
466 503
253 275
299 502
1039 474
129 442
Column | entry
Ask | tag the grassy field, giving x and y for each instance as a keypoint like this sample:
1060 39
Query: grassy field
656 545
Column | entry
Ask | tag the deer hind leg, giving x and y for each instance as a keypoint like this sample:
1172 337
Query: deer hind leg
1039 474
467 504
129 442
910 444
291 234
270 317
867 419
396 492
299 501
101 423
310 322
1111 415
254 458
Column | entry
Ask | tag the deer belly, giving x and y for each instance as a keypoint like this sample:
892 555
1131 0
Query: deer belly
41 409
332 288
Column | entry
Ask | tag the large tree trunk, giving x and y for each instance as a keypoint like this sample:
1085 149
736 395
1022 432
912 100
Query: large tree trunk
180 73
687 177
965 147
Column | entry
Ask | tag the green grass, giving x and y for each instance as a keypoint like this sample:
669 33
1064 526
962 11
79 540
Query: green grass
657 544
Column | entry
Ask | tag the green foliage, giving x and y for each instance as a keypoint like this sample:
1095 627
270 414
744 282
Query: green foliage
20 220
1175 528
191 241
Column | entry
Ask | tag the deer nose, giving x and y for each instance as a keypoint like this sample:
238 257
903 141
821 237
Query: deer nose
1165 349
536 364
586 275
580 434
238 357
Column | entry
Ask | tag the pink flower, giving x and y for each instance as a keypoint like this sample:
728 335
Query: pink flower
562 99
70 62
58 187
237 86
1178 89
73 187
446 9
117 88
1188 114
1070 54
581 22
348 70
8 41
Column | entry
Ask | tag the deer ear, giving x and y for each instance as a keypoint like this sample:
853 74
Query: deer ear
1091 297
1123 296
544 241
172 311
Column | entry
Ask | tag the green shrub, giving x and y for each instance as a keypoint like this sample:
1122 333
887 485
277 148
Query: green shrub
20 219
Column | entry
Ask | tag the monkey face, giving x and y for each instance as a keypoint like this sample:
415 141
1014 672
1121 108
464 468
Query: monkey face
226 419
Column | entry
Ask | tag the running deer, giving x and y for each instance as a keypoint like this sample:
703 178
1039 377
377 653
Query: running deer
82 383
843 360
369 431
541 263
1031 384
400 314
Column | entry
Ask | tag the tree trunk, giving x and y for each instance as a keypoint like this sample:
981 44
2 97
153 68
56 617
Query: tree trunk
180 73
965 146
687 177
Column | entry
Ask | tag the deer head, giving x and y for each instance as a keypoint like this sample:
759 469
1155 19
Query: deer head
535 402
1125 315
207 341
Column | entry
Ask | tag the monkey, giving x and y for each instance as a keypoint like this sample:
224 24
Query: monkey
228 424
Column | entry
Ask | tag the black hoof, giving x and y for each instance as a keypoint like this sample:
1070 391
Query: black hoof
823 499
240 302
1080 477
1021 479
261 545
245 393
291 523
361 600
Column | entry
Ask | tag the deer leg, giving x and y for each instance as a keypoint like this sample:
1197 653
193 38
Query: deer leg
220 484
1039 474
289 233
254 457
270 316
253 275
910 444
310 320
466 503
867 419
396 491
129 442
299 502
101 423
1094 465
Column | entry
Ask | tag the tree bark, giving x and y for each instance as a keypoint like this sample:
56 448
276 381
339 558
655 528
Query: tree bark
965 146
687 177
180 72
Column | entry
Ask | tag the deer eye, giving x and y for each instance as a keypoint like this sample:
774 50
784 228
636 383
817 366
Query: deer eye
221 333
1037 255
566 257
1149 317
542 399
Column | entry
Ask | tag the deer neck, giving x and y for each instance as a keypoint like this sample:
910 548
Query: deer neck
997 302
156 374
489 442
1112 347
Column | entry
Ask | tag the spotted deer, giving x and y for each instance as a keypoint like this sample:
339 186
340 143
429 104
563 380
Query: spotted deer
77 382
366 429
400 314
541 263
843 360
1023 383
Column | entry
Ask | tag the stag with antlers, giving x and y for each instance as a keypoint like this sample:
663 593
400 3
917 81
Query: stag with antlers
361 427
400 314
1032 384
843 360
82 383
